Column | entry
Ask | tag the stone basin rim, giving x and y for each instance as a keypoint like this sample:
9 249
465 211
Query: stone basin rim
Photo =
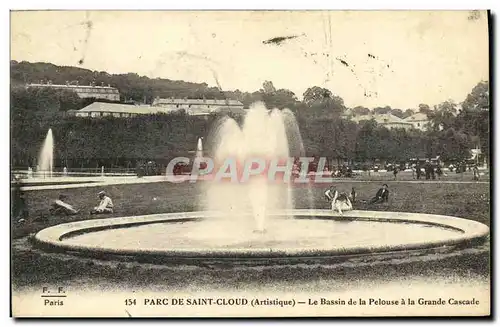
52 237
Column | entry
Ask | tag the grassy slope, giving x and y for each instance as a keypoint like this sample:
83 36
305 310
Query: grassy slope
31 269
462 200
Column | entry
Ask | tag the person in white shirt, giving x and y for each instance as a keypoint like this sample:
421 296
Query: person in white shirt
339 201
331 193
105 206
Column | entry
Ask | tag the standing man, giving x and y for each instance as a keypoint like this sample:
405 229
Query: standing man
105 206
475 171
427 168
395 172
18 204
439 172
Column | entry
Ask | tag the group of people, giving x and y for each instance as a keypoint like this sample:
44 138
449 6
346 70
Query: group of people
429 171
341 201
62 207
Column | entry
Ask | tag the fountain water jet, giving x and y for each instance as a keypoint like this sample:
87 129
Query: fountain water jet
263 135
199 148
46 157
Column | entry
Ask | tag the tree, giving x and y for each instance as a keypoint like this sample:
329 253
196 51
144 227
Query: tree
367 142
443 117
268 87
449 144
316 94
280 99
382 110
360 111
408 113
69 100
322 102
474 118
478 99
424 108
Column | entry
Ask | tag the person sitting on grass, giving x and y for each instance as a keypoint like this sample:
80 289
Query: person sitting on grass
105 206
331 193
341 202
60 207
352 197
381 196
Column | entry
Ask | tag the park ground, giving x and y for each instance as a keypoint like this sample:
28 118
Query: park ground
31 268
466 200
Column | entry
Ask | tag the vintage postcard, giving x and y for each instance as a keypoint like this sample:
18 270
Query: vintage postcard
250 163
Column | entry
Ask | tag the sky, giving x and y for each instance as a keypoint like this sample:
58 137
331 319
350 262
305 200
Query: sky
369 58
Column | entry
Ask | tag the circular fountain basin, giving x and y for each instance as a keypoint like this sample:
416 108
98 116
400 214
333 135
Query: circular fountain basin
300 233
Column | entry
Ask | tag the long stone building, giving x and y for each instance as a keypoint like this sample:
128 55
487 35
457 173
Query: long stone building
197 106
388 120
83 91
194 107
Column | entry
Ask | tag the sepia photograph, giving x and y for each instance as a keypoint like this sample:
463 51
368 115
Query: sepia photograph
250 163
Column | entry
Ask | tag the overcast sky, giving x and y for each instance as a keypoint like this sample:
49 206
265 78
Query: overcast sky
368 58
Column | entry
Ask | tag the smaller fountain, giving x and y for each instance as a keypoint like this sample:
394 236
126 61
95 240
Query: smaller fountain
199 148
199 153
46 157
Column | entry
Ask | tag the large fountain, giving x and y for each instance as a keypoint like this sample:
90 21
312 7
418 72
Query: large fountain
263 137
254 218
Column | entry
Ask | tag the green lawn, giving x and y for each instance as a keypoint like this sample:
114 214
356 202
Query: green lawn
31 268
470 200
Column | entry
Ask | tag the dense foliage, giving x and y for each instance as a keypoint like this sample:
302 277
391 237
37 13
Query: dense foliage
86 142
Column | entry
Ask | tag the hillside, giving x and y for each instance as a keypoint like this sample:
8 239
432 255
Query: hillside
131 85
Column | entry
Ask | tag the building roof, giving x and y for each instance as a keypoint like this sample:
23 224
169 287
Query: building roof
417 117
119 108
147 109
381 119
71 86
206 111
197 101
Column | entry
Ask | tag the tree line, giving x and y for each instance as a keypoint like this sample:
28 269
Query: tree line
87 142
